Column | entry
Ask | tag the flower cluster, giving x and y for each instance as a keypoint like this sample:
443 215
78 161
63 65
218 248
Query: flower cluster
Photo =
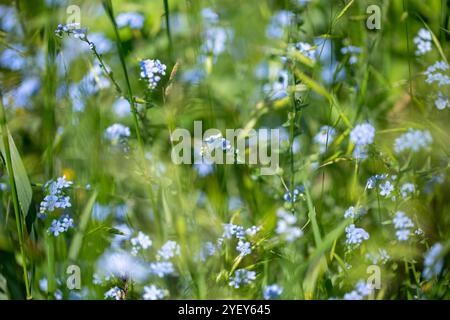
381 256
116 132
355 236
169 250
153 293
272 292
353 52
407 189
413 140
286 226
134 20
354 213
152 71
403 225
161 268
307 50
141 241
373 181
55 196
61 225
434 262
293 196
423 41
73 29
243 236
114 293
362 136
242 277
361 291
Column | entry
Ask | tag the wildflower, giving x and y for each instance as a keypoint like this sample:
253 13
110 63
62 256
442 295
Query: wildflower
386 188
362 290
278 82
353 51
434 262
252 231
372 181
279 21
161 269
133 20
324 137
272 292
294 195
307 50
116 132
442 102
403 224
362 134
242 277
56 196
122 265
114 293
153 293
73 29
435 73
244 247
402 221
355 236
215 40
286 226
354 213
381 256
230 230
423 41
151 72
142 241
208 249
169 250
413 140
353 295
406 188
122 107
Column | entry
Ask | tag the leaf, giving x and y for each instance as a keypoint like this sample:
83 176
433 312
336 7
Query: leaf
84 220
341 14
3 288
105 229
23 185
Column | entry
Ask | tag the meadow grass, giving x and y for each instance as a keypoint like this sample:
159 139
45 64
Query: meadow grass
92 92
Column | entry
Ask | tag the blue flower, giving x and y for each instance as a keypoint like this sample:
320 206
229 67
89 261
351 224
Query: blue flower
242 277
355 236
169 250
413 140
423 41
161 269
244 248
153 293
61 225
386 188
293 196
133 20
272 291
116 132
434 262
151 72
362 134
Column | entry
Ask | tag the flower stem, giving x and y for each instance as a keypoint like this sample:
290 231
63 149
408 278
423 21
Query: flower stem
109 10
17 210
51 283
